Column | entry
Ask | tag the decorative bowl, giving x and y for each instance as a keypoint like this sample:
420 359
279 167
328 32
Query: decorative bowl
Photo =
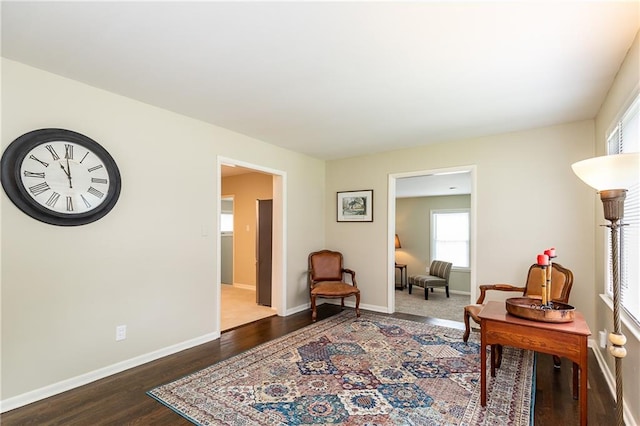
532 309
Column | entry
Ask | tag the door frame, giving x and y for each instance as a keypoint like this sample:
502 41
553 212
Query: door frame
278 274
391 227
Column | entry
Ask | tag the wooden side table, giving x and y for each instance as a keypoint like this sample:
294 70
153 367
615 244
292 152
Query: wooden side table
403 275
569 340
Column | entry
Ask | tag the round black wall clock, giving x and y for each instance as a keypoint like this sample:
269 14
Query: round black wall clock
60 177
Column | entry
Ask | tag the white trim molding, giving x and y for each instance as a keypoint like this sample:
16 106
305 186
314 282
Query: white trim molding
75 382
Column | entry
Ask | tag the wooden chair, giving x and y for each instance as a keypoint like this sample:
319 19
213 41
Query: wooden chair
326 277
561 283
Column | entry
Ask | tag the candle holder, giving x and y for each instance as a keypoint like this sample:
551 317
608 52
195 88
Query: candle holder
552 256
544 309
543 287
533 309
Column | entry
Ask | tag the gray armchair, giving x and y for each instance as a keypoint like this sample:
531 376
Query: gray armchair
437 276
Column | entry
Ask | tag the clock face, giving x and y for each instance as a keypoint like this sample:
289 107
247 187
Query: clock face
60 177
64 177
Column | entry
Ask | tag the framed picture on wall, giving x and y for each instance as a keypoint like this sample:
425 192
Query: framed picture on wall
355 206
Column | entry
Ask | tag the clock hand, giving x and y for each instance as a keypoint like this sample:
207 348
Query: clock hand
64 170
68 173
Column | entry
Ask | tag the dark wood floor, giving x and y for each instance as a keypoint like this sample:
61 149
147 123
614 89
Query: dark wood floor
121 399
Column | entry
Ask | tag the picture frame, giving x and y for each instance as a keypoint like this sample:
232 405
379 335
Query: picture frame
355 206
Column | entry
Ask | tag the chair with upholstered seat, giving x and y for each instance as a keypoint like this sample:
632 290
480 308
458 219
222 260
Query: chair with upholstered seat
326 276
437 276
561 282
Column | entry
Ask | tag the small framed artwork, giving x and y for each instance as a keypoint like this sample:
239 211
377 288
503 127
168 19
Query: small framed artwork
355 206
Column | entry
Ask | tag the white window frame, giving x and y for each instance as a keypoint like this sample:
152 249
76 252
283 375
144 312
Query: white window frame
433 236
629 252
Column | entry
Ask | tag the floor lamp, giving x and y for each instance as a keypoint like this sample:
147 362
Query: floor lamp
611 175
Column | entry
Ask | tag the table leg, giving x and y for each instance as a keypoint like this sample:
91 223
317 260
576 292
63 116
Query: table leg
483 370
583 391
576 384
494 354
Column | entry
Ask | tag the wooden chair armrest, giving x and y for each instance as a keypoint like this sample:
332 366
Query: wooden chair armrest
353 275
500 287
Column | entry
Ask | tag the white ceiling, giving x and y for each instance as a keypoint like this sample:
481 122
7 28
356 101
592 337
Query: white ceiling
434 185
338 79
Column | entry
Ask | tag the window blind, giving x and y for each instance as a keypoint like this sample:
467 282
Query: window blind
625 137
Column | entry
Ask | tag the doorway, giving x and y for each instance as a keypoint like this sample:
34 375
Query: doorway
236 303
414 189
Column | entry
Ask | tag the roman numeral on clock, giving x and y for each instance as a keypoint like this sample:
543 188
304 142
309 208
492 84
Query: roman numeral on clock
69 204
33 157
53 152
95 192
86 203
51 202
68 151
33 174
39 188
94 168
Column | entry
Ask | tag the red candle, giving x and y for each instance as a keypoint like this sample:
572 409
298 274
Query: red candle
551 252
543 259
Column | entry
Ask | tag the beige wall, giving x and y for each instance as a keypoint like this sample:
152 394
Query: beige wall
151 262
624 89
527 197
246 189
413 225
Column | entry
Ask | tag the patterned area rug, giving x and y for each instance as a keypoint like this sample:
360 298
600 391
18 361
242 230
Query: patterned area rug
375 370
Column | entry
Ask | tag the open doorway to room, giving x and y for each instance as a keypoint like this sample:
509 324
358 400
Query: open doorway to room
432 217
241 255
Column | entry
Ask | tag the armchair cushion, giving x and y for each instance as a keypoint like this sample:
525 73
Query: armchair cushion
332 289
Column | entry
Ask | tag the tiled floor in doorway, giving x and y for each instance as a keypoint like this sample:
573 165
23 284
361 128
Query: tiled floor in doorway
239 307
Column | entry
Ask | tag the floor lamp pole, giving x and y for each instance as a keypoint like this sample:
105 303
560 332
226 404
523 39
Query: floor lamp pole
613 203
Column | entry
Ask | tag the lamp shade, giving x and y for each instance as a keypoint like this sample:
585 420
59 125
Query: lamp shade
398 242
618 171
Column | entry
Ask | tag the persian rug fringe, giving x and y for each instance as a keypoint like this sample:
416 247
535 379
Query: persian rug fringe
355 371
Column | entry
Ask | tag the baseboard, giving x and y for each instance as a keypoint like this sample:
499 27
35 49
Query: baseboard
245 286
609 377
352 304
74 382
299 308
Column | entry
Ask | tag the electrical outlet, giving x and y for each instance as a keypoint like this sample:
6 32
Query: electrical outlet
121 332
603 338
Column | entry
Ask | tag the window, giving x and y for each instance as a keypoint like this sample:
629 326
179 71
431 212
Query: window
226 216
450 236
625 137
226 223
